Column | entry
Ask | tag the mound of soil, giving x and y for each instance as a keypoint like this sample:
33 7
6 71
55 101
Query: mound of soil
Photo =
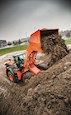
47 94
54 46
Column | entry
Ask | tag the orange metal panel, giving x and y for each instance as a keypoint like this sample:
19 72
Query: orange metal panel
35 37
10 62
19 74
34 70
50 29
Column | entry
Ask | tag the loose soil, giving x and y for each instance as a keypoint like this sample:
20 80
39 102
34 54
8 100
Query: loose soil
49 93
53 46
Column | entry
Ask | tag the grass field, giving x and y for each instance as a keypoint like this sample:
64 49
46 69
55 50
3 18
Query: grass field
68 41
13 49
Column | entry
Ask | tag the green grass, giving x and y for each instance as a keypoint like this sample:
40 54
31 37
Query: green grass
13 49
68 41
22 47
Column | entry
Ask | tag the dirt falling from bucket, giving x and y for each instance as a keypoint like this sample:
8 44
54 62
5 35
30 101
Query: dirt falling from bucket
54 46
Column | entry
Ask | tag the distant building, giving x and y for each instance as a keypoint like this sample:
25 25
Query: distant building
3 43
23 40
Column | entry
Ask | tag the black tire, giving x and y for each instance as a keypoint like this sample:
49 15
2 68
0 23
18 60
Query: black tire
42 66
11 76
27 75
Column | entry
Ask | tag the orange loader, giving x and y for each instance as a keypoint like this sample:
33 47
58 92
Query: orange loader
16 69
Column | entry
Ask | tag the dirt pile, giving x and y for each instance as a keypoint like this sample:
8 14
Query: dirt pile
54 46
47 94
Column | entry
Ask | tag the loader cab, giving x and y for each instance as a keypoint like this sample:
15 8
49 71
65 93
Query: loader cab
19 60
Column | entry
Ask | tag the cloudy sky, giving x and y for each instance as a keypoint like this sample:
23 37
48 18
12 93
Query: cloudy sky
19 18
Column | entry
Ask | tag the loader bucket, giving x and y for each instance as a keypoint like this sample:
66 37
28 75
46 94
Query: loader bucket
48 32
36 37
